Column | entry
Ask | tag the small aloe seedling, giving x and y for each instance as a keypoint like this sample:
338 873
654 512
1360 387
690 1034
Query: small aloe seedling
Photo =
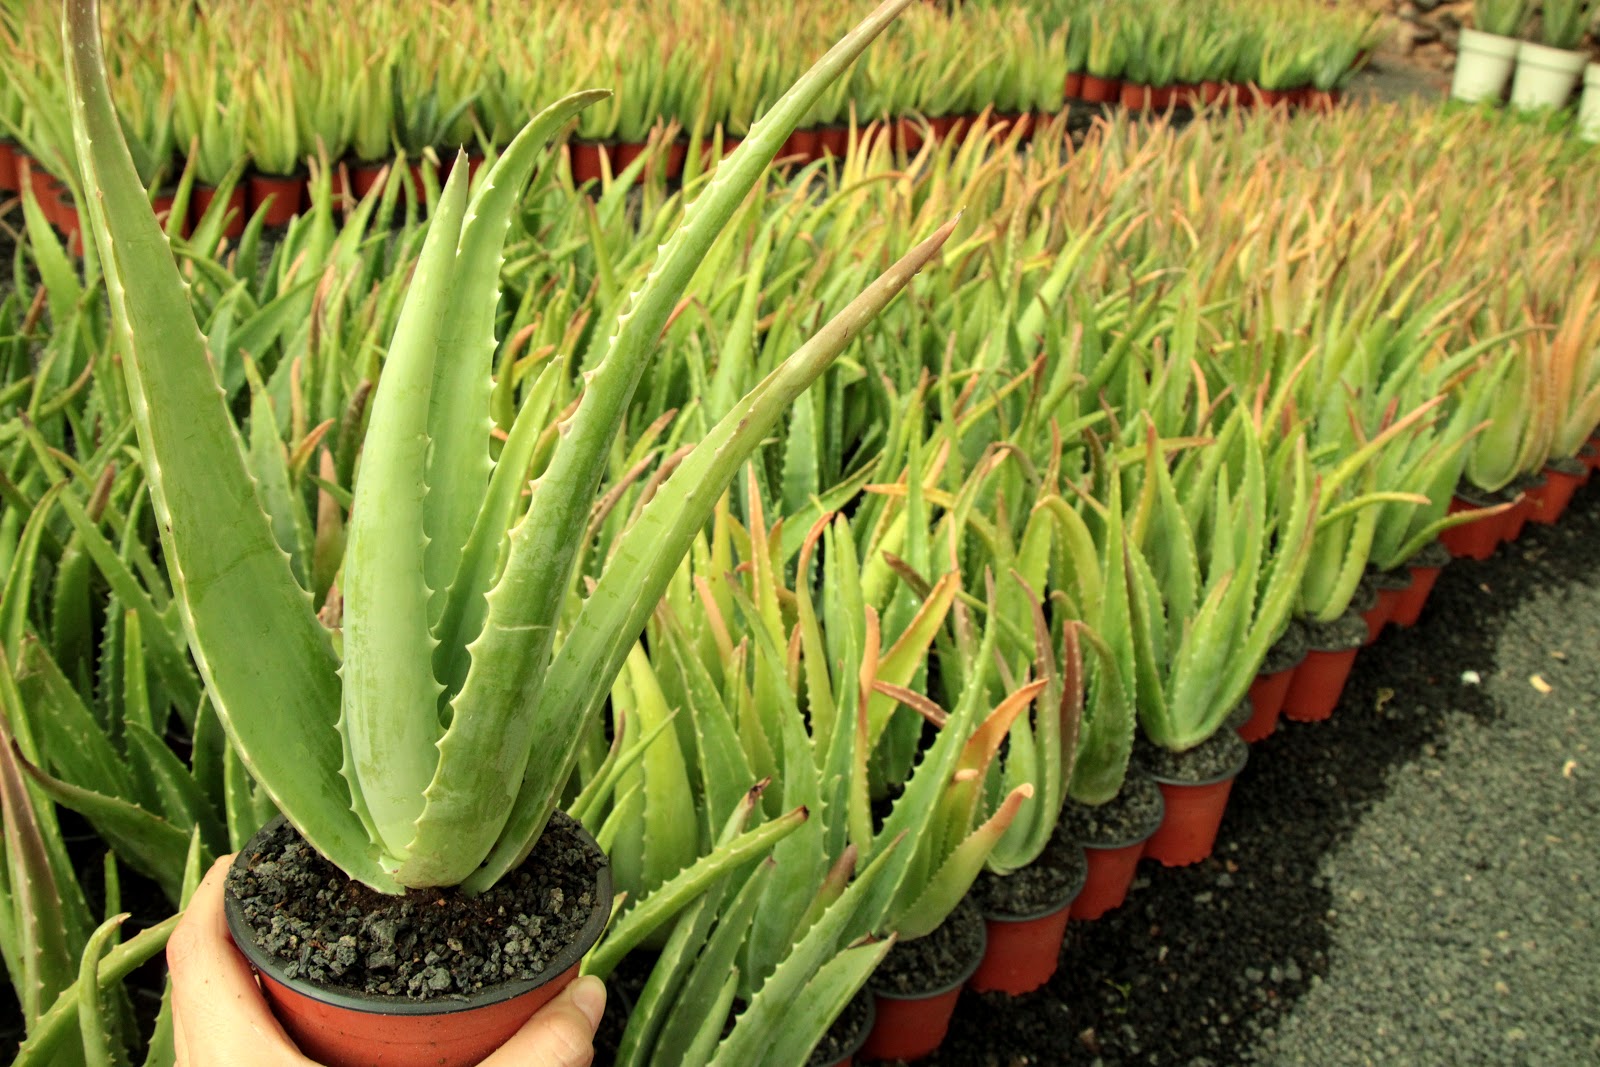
433 751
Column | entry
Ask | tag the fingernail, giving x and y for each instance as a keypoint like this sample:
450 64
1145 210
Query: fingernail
589 994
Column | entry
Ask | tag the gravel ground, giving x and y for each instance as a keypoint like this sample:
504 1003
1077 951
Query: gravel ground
1404 884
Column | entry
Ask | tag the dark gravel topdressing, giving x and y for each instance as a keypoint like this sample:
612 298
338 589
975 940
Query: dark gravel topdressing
929 964
333 932
1411 882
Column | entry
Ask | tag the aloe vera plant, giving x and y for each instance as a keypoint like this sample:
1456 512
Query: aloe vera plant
433 750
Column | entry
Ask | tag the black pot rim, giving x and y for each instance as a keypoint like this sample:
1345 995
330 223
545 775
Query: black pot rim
1068 895
860 1041
1224 776
1139 839
966 972
374 1004
1312 644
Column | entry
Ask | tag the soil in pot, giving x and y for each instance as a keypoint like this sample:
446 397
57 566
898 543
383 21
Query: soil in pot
1113 836
1194 785
1424 567
845 1037
400 973
916 986
1272 682
1025 917
1319 680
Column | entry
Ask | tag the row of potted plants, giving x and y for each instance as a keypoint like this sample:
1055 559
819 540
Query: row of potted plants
276 85
1547 55
1158 439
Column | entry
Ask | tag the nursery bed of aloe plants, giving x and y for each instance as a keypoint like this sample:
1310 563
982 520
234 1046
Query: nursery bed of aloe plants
1171 420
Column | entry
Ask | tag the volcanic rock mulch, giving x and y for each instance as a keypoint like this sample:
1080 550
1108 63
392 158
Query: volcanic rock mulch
1412 882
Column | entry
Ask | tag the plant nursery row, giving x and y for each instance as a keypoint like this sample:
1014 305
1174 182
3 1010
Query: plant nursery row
223 84
798 591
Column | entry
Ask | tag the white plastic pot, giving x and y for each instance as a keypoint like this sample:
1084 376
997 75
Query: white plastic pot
1483 66
1545 75
1589 110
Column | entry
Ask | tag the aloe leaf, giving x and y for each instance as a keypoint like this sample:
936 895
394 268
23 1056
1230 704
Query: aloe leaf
754 1028
679 1030
92 1021
390 696
664 902
44 1045
821 1001
946 886
458 421
643 561
278 698
39 955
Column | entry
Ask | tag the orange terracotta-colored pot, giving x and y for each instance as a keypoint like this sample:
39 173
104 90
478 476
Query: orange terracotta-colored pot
281 196
802 145
1520 513
1111 871
1073 88
911 1027
1098 90
1408 608
1023 951
624 155
1476 539
911 133
8 167
1161 96
338 1029
1137 97
1266 703
205 195
834 141
1317 685
586 165
1210 92
1377 616
1555 495
1188 830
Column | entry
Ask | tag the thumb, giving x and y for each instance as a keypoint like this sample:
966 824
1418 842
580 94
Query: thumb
560 1034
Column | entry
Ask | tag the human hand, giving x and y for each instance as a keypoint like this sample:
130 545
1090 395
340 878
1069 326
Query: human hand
220 1016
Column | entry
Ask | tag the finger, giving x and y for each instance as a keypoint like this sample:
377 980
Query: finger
217 1008
560 1034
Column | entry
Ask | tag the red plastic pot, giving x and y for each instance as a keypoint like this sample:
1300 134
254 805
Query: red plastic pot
1517 516
1266 700
1111 871
1194 811
1161 96
1020 124
8 167
911 133
339 1029
1270 97
1022 951
803 145
586 165
1137 97
909 1028
1381 612
1210 92
1317 684
1475 539
624 155
1098 90
1185 96
205 195
834 141
1408 608
1074 86
281 196
1555 495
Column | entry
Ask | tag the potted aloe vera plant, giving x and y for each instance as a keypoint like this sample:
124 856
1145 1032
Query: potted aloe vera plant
1548 69
1487 52
1206 609
418 753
